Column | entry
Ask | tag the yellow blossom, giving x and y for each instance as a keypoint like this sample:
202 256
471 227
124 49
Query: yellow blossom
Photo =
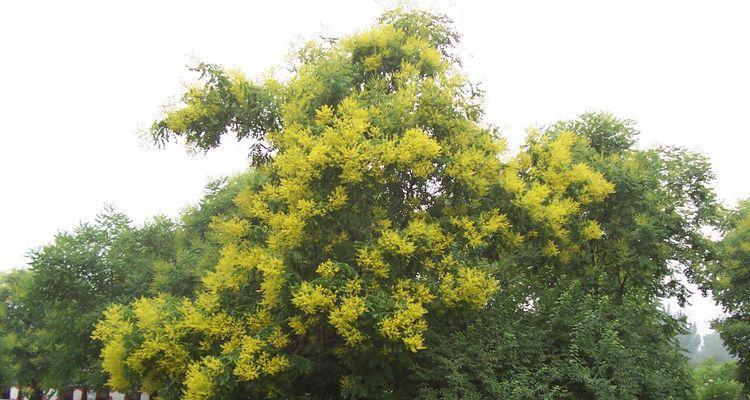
313 298
371 260
200 379
470 285
592 230
343 318
327 269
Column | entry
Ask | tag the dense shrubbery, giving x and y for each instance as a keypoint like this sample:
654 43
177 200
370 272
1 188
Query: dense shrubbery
384 245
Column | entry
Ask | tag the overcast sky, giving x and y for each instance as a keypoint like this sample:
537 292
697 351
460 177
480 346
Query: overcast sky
79 79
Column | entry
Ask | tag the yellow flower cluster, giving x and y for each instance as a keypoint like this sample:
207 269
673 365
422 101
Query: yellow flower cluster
394 243
327 269
370 259
254 360
228 231
298 325
232 272
427 236
407 322
558 187
162 341
200 377
415 151
212 324
337 198
194 109
487 224
592 231
470 286
313 298
112 331
161 355
344 316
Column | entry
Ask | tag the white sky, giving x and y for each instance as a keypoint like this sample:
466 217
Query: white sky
80 78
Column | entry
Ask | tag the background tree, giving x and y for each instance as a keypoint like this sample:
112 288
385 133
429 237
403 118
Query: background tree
713 349
48 311
691 341
52 307
586 348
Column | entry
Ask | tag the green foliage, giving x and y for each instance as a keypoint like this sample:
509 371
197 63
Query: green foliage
731 286
575 346
717 381
655 221
49 311
17 321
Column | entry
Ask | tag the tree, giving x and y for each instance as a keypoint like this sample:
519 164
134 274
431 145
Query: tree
18 320
52 307
713 349
699 348
589 324
690 341
381 228
732 289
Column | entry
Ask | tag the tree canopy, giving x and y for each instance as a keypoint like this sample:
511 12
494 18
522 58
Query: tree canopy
385 220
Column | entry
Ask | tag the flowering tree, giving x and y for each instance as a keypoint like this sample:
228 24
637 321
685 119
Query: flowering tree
382 210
